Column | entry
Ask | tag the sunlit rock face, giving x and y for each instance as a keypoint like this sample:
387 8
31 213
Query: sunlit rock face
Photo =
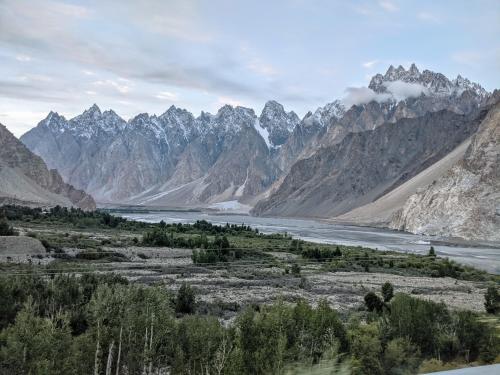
465 202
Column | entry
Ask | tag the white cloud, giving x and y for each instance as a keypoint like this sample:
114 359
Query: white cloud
121 88
370 64
23 58
402 90
397 90
167 95
389 6
362 95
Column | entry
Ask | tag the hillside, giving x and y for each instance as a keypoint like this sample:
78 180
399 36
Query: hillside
25 178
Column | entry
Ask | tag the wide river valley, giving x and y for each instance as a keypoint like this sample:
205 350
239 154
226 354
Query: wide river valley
480 255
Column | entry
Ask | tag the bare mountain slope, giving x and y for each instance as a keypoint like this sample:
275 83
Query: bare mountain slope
366 165
24 177
380 212
465 202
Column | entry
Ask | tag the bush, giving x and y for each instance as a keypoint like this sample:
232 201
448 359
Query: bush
5 228
373 302
492 300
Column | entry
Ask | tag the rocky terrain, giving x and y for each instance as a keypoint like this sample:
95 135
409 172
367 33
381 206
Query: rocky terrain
25 178
366 165
464 202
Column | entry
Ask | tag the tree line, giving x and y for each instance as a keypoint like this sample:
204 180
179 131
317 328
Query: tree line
105 325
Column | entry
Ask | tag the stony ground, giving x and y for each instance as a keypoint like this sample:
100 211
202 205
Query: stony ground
256 281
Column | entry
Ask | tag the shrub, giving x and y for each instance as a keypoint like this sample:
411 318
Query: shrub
373 302
492 300
5 228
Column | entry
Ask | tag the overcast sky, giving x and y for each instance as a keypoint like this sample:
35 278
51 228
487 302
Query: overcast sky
143 56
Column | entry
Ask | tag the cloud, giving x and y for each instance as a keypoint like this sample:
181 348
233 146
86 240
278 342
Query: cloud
51 30
23 58
109 83
396 90
167 95
175 19
362 95
370 64
30 90
402 90
388 6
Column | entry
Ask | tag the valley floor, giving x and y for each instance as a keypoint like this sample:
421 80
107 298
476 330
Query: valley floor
263 277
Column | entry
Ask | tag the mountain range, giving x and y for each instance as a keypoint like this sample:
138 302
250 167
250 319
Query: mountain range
333 163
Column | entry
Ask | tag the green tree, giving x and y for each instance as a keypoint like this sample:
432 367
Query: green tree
373 302
432 252
387 291
401 357
185 300
492 300
35 345
366 349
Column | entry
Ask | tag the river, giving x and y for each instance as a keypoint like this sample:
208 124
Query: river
477 255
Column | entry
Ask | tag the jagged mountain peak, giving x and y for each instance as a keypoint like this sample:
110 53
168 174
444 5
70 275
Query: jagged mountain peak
232 119
94 109
433 83
278 123
323 116
229 110
274 110
177 117
53 119
141 118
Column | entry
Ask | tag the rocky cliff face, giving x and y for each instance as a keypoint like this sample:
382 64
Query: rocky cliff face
465 202
26 178
365 165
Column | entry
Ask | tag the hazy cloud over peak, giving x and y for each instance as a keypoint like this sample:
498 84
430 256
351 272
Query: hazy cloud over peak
396 90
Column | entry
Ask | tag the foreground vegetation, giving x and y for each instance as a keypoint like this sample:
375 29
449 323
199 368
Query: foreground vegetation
74 315
92 324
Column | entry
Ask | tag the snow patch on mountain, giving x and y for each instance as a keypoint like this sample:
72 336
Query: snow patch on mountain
263 133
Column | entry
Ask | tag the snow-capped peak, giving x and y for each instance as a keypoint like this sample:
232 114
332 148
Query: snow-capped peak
278 123
432 83
323 116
